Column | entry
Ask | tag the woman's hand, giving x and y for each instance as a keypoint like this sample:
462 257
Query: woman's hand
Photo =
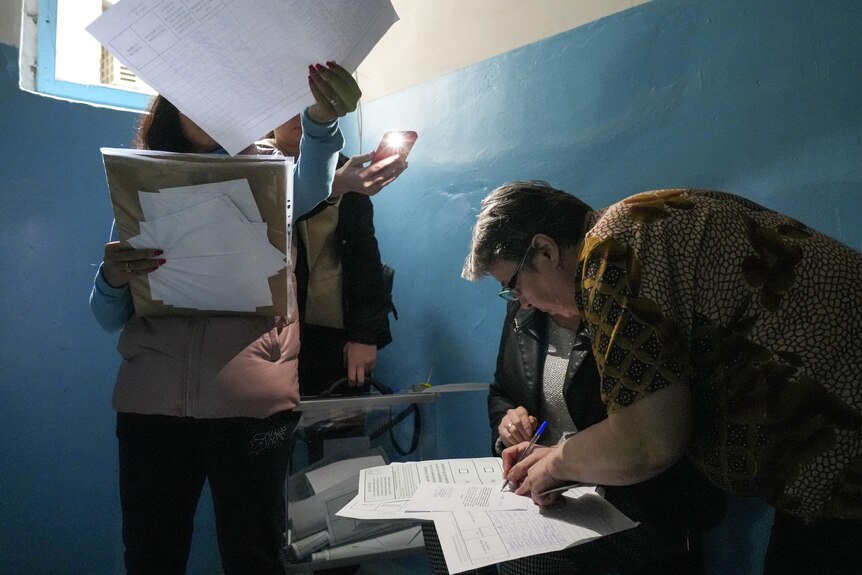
123 262
335 92
354 176
360 359
535 474
516 426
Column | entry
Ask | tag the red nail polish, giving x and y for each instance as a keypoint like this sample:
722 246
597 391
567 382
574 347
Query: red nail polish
330 64
320 67
158 252
162 262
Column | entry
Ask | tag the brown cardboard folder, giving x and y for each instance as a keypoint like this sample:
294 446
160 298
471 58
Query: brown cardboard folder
270 179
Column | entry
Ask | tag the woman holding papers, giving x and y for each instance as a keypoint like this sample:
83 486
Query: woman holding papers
724 332
546 372
210 397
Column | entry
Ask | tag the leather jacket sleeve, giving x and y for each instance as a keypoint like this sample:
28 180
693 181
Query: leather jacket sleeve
514 380
679 499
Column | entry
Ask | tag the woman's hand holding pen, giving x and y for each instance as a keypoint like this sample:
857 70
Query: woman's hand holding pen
123 262
516 426
335 92
534 474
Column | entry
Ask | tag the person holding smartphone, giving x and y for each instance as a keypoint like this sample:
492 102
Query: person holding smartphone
342 292
344 299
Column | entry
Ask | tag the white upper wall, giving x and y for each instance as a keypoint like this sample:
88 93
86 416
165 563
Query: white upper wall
10 22
434 38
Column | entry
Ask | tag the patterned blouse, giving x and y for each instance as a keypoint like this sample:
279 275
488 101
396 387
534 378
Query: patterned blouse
759 315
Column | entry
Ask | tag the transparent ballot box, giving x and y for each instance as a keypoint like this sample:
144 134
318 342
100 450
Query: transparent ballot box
334 439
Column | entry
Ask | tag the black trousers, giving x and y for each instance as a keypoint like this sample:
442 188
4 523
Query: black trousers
164 462
321 358
832 546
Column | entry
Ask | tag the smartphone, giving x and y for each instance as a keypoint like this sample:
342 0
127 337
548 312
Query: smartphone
394 143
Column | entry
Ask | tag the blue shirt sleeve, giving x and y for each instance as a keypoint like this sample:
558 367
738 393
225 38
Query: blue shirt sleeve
111 306
315 166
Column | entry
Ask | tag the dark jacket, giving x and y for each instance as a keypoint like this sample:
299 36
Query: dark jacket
366 297
679 498
519 371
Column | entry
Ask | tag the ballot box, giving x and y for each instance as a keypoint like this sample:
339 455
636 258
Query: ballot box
335 438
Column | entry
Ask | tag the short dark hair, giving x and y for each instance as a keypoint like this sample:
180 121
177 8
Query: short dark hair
515 212
160 128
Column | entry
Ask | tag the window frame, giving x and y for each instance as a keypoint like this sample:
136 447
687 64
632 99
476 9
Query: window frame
38 64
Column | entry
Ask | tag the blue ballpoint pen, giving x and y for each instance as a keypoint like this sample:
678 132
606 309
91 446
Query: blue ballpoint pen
529 449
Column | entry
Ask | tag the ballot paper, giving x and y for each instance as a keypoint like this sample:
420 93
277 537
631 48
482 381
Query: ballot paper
223 224
384 491
216 259
313 522
440 497
239 69
481 530
473 538
169 200
398 481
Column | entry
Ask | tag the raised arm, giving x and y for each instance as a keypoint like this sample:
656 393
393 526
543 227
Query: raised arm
336 93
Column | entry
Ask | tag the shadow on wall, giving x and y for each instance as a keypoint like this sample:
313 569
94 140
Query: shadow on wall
831 207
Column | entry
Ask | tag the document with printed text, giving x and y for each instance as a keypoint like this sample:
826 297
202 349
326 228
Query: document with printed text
478 524
239 69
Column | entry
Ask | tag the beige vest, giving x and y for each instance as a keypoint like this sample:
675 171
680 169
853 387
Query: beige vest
323 302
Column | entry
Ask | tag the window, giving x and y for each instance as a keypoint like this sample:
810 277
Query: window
61 59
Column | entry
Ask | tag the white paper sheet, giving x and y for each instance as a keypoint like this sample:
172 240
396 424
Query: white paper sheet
325 477
216 259
356 508
399 481
476 536
170 200
439 497
239 69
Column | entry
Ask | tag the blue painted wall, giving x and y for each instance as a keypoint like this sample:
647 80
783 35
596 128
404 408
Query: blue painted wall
760 98
58 464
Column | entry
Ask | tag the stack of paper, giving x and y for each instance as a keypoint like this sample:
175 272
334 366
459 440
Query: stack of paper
313 521
215 244
223 223
478 524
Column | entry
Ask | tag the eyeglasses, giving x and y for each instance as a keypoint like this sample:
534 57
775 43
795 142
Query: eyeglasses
509 291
